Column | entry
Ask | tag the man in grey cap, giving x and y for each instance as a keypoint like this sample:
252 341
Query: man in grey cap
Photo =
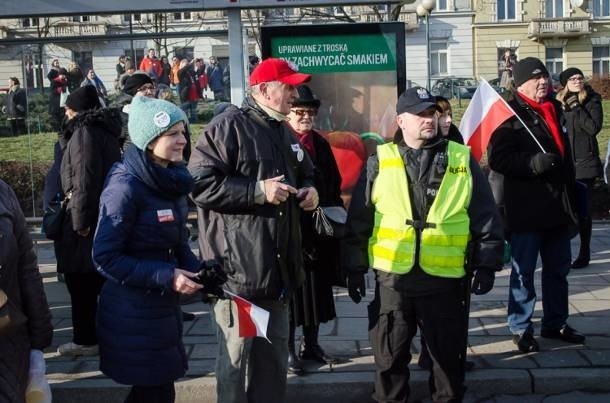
533 154
423 217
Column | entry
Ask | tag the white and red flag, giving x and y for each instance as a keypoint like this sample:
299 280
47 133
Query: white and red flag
251 319
487 110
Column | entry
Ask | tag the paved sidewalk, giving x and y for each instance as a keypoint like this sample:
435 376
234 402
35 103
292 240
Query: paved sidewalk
557 369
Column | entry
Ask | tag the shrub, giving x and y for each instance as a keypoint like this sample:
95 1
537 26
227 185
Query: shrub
601 85
17 175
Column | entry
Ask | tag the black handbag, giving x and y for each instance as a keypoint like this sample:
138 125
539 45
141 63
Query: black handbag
53 217
329 222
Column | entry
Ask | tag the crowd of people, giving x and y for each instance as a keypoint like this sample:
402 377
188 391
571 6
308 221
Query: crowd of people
187 80
422 216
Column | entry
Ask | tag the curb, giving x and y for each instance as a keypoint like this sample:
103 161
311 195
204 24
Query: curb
357 387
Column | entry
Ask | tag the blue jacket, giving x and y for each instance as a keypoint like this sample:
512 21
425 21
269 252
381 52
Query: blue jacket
141 237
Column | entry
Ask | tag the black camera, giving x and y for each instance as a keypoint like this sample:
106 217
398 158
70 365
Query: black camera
212 277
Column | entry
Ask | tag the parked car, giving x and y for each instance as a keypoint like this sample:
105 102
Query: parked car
458 87
495 84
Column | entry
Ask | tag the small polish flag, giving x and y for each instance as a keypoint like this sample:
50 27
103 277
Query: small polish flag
252 320
487 110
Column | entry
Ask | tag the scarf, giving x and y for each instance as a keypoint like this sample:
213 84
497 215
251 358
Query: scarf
171 182
548 113
306 140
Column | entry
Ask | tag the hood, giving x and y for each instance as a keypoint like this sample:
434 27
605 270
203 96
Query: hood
109 119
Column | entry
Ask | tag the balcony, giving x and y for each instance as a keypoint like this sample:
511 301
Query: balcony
547 28
78 29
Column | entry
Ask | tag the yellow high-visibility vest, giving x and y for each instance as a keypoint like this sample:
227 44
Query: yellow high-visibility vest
446 233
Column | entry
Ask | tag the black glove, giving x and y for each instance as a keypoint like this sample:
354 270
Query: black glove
212 277
483 281
355 286
572 101
544 162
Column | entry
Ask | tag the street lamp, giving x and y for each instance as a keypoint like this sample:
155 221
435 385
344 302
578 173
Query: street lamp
423 10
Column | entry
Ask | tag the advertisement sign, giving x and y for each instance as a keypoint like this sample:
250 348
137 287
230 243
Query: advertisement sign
358 71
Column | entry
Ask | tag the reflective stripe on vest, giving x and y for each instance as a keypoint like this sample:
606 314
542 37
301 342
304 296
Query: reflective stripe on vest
446 234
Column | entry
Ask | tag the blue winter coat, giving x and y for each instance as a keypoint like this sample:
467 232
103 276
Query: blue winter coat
141 237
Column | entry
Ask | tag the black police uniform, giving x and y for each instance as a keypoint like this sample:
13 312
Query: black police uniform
404 302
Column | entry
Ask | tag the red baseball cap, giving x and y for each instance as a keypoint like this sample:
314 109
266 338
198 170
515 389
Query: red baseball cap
273 69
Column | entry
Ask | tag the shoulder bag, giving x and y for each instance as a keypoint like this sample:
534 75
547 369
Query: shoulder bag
329 222
53 217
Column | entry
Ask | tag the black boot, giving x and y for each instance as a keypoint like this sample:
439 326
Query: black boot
584 229
311 350
294 364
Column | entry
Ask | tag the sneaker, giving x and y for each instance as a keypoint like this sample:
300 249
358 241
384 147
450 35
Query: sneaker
74 350
565 333
526 343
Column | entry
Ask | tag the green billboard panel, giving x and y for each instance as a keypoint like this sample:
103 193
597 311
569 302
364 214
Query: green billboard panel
338 53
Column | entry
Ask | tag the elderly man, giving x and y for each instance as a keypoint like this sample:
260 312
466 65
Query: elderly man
252 179
533 154
423 217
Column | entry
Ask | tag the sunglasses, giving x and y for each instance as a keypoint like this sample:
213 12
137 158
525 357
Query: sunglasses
303 112
576 79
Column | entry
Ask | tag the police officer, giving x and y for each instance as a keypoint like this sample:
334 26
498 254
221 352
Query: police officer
423 217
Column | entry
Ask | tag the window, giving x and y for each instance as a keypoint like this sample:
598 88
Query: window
185 16
81 18
438 58
554 60
601 60
29 22
83 59
382 8
553 8
507 10
186 52
132 17
442 5
601 8
139 55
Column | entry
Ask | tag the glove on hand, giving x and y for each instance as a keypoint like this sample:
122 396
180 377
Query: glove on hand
212 277
483 281
544 162
355 287
572 101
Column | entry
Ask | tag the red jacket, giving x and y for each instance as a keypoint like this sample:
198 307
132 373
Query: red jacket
152 67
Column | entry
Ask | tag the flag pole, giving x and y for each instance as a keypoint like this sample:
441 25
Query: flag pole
520 120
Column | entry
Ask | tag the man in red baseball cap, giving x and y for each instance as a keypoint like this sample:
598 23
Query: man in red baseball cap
252 179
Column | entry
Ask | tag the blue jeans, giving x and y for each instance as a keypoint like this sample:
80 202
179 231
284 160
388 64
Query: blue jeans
554 250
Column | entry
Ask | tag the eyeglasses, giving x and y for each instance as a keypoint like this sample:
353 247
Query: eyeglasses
576 79
303 112
146 87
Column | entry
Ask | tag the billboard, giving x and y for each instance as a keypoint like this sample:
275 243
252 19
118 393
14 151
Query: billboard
358 71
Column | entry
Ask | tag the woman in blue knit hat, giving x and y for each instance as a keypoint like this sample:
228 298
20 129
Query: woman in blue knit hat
141 247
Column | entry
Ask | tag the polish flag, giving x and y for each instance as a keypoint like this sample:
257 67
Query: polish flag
252 320
487 110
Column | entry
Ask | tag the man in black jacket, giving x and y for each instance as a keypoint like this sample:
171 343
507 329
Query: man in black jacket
533 155
15 107
251 180
423 217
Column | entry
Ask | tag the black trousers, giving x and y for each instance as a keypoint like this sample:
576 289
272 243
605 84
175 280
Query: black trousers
84 289
393 322
17 126
152 394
